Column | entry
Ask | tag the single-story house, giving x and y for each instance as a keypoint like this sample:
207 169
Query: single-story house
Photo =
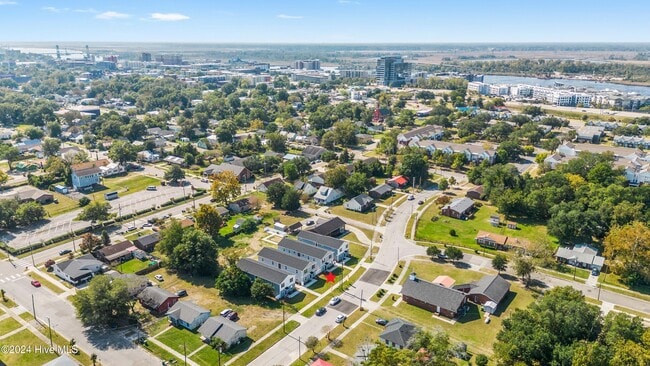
157 300
398 333
591 134
187 315
433 297
264 186
398 182
340 248
63 360
327 195
303 269
34 195
581 255
175 160
381 191
78 270
316 179
239 206
305 187
313 152
459 208
333 227
225 329
147 242
360 203
476 193
428 132
321 257
116 253
240 172
223 212
148 156
489 289
283 283
491 240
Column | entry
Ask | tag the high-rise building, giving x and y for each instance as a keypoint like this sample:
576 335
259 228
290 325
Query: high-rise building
392 71
145 57
167 59
307 65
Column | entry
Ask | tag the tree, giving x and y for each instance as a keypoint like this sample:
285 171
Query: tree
170 237
207 218
84 201
51 146
628 250
383 355
452 180
122 152
232 281
9 153
356 184
415 165
524 267
276 142
174 174
106 239
311 342
225 187
90 242
29 213
105 301
96 210
34 133
93 358
196 254
291 200
500 262
444 184
4 178
290 171
433 251
218 343
275 193
454 253
481 360
54 129
335 178
260 290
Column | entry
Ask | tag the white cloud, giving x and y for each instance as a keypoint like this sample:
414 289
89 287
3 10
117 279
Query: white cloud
168 17
109 15
349 2
285 16
88 10
2 2
52 9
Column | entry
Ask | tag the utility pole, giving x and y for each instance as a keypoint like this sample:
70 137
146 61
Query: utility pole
361 301
299 353
50 327
33 308
185 352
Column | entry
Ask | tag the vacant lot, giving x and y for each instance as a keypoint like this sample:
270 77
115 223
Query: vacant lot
369 217
429 270
125 185
438 231
66 204
365 334
181 339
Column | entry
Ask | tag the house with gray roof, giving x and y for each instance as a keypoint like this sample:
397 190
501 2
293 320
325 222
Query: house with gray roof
147 242
433 297
187 315
157 299
321 257
78 270
459 208
305 187
283 283
333 227
489 290
340 248
398 333
264 186
313 152
381 191
360 203
116 253
239 171
581 255
225 329
303 269
428 132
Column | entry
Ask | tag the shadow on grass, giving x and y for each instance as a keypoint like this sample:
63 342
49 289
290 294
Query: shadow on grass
503 305
472 314
509 277
352 261
461 265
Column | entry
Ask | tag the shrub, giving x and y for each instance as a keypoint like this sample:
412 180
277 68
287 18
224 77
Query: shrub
452 232
83 201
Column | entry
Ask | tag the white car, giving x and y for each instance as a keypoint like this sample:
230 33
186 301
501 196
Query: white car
411 197
335 300
340 318
158 277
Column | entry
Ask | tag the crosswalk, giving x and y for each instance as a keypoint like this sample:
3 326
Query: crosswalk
21 262
11 278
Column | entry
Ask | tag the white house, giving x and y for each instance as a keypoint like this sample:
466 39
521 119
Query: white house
429 132
360 203
111 169
78 270
148 156
303 269
322 258
327 195
87 174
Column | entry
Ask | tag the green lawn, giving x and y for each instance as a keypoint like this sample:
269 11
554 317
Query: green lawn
27 339
616 285
632 312
259 348
138 234
125 185
370 217
8 325
357 251
438 231
157 326
180 339
132 265
300 301
26 316
209 356
359 271
321 284
365 333
429 270
47 283
161 353
66 204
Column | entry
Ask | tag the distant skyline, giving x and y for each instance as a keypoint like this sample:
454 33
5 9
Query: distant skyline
324 21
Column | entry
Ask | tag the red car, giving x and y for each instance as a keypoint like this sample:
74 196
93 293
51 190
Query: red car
36 283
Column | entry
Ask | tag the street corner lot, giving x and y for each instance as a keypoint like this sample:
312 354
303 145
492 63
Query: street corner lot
375 276
370 217
344 307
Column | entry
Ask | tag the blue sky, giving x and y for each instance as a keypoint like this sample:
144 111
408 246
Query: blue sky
325 21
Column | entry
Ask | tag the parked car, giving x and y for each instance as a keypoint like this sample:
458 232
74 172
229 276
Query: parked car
233 316
225 312
381 321
146 224
340 318
595 272
442 256
65 251
158 277
411 197
321 311
335 300
36 283
181 293
131 228
420 202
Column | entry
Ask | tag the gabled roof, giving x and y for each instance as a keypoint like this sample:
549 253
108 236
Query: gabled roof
186 311
328 226
257 269
214 169
303 248
147 239
400 179
112 250
422 131
313 150
382 189
460 204
399 332
270 182
218 326
433 294
494 287
154 296
284 258
324 240
91 167
362 199
80 266
499 239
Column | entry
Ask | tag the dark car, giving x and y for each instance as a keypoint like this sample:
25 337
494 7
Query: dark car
320 311
233 316
65 251
442 256
420 202
381 321
181 293
595 272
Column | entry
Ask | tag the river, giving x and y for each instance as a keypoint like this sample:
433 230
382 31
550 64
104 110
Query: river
581 84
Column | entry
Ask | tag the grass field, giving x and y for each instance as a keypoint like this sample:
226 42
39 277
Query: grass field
365 333
259 348
132 265
45 281
429 270
180 339
321 285
138 234
615 284
27 339
66 204
370 217
438 231
8 325
161 353
125 185
300 301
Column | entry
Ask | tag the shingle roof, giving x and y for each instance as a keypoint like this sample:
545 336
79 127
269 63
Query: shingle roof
328 226
88 167
284 258
362 199
495 287
399 332
218 326
78 267
257 269
324 240
186 311
422 131
153 297
116 250
433 294
461 204
213 169
382 189
303 248
147 239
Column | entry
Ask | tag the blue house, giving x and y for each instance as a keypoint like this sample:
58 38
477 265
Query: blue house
187 315
87 174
